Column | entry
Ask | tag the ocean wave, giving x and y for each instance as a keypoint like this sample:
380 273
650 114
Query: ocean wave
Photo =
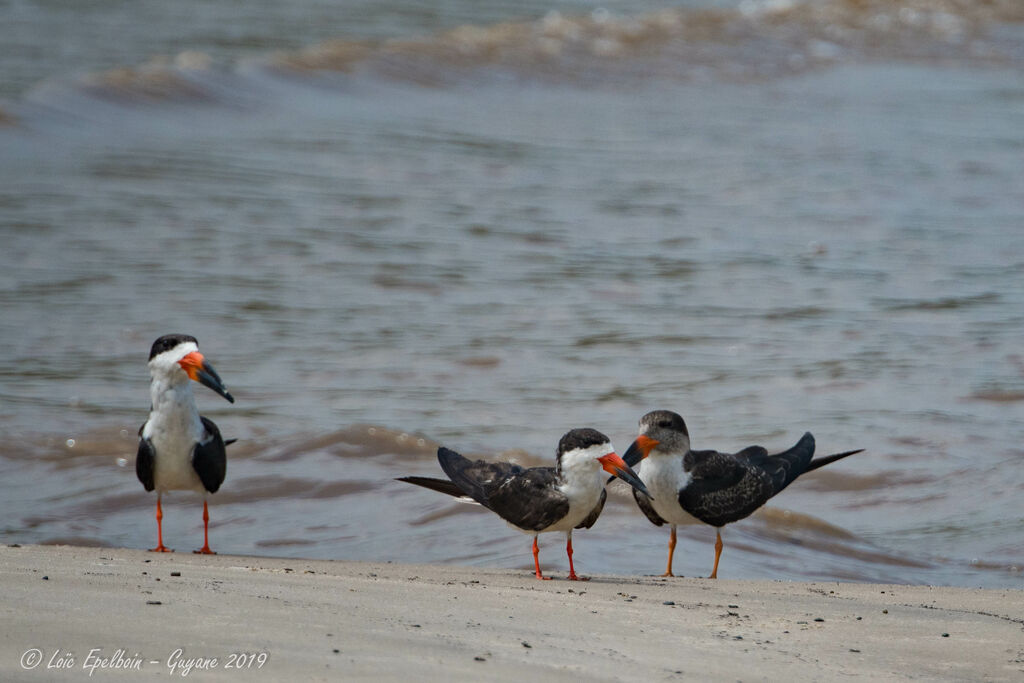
770 37
161 78
757 39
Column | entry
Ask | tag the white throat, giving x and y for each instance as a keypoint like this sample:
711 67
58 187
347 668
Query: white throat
664 477
583 461
170 384
173 427
582 483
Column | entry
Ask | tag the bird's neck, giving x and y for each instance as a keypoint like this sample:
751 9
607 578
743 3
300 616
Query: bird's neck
171 395
665 472
581 475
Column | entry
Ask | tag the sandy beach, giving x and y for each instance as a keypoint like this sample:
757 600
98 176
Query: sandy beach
71 611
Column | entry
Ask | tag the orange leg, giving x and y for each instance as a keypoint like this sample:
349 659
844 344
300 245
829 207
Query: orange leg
671 551
572 571
536 561
205 550
159 530
718 553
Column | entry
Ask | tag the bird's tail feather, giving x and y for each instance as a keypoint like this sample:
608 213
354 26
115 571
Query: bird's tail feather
440 485
828 459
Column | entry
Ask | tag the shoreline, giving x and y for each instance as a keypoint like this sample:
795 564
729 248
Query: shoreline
173 614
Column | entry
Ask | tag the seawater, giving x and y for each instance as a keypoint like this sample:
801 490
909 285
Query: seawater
481 229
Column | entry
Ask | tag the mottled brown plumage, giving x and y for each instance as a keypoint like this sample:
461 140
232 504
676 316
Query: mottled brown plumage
716 488
535 500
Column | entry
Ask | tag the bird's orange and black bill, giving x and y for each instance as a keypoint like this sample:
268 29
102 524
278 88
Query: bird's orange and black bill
196 367
639 449
615 465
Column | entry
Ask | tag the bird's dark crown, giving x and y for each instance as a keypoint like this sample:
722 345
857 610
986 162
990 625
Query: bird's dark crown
664 419
168 342
580 438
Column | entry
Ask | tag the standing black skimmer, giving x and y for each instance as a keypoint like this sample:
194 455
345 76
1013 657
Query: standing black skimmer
179 449
536 500
716 488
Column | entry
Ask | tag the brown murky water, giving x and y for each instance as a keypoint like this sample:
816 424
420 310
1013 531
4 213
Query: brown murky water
393 229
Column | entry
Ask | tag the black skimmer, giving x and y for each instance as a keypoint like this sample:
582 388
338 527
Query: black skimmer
716 488
537 500
179 449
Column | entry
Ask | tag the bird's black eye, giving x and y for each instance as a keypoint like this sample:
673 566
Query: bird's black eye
664 424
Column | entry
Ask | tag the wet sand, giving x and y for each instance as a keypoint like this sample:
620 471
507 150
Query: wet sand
334 620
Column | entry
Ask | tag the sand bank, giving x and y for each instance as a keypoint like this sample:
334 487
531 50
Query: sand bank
117 612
